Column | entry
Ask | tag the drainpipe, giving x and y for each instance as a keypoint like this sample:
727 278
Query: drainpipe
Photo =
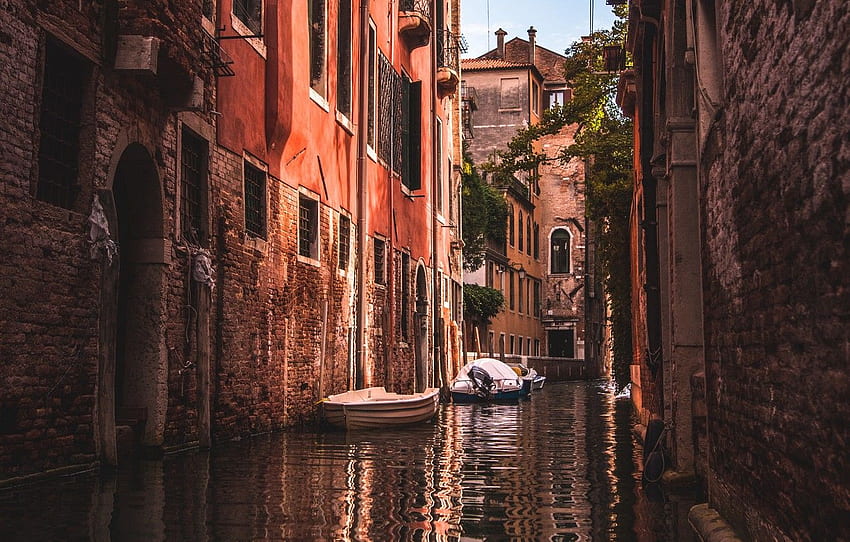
435 303
362 135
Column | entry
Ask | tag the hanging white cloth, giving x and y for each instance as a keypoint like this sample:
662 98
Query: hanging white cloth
99 238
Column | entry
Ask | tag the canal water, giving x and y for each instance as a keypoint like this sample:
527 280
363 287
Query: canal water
563 465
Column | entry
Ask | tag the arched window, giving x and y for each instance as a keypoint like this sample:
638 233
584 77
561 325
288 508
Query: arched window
528 235
560 251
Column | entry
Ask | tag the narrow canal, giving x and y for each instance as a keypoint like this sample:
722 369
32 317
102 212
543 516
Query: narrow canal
561 466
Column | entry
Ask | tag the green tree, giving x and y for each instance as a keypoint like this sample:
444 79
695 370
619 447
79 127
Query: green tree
605 141
485 215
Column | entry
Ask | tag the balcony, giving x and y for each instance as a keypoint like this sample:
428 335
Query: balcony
414 22
449 47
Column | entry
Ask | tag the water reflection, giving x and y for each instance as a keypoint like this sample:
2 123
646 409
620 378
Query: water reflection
561 466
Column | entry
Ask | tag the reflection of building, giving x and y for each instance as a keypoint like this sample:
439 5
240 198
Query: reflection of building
235 214
541 269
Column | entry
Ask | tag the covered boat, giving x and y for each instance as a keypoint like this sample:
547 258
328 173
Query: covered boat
376 408
530 379
486 379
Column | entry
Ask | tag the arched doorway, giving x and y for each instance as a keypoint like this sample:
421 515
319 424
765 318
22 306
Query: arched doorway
420 329
139 382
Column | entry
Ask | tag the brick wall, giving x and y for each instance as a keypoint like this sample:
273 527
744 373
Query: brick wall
776 183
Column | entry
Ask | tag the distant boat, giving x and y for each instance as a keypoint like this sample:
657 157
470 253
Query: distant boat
376 408
486 379
530 379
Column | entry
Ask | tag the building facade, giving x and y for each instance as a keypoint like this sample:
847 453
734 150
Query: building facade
237 208
543 263
740 237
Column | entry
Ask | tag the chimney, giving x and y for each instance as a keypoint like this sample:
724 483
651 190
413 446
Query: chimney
500 43
532 44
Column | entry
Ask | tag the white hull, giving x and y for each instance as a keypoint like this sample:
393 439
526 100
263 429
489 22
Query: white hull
375 408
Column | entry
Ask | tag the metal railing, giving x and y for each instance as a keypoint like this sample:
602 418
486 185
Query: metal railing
423 7
448 50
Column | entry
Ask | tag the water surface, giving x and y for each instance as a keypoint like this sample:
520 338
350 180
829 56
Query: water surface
561 466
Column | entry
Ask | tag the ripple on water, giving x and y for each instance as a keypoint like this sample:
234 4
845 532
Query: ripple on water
560 466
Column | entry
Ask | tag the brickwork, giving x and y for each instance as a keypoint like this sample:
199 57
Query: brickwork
50 304
562 188
776 183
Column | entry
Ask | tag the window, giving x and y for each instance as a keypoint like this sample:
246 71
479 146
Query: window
405 294
318 27
511 289
438 195
344 241
491 342
372 91
536 347
519 233
343 58
250 13
528 235
536 241
390 114
411 163
308 227
255 200
536 292
556 98
509 93
560 253
193 187
535 97
380 261
65 77
521 287
513 341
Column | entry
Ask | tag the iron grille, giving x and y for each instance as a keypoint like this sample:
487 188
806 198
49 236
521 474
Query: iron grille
344 241
448 50
250 12
307 226
216 57
422 7
255 201
386 93
380 261
61 107
317 45
192 170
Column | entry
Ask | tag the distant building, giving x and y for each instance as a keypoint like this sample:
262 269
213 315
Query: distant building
547 232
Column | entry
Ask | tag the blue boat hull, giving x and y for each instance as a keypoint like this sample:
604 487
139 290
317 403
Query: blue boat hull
502 396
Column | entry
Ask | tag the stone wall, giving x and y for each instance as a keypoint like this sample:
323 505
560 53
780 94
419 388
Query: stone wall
775 189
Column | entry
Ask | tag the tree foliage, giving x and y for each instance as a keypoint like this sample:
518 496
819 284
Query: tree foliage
481 303
605 141
485 215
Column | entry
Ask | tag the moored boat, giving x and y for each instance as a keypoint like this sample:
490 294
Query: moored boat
486 379
376 408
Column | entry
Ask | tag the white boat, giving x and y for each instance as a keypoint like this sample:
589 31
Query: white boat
486 379
376 408
530 379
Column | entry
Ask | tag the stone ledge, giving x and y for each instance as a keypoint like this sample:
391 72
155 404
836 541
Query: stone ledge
710 526
674 479
70 470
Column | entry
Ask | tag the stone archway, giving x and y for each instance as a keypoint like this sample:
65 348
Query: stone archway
420 329
136 385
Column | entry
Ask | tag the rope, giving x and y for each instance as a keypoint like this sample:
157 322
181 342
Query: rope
663 461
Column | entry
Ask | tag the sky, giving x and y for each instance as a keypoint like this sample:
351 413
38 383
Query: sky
558 22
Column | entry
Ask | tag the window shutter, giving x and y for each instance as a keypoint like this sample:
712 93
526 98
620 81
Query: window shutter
413 156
